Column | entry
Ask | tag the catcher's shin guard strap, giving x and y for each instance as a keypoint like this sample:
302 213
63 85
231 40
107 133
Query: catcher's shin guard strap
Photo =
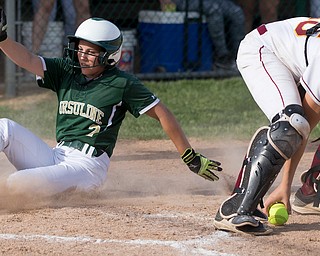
260 170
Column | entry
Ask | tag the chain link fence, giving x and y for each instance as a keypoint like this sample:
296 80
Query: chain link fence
163 39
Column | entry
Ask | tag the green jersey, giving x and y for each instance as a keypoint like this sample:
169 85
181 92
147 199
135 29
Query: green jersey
92 110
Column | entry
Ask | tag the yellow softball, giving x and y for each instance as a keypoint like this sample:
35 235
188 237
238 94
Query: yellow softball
278 214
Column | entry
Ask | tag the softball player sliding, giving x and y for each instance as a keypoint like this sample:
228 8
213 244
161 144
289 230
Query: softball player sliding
93 96
274 60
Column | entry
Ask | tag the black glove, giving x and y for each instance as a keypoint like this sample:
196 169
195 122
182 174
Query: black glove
201 165
3 25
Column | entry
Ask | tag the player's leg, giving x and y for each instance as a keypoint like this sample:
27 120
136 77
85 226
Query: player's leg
314 8
216 27
307 198
269 10
266 155
249 8
235 21
69 14
271 146
73 170
82 8
22 148
40 23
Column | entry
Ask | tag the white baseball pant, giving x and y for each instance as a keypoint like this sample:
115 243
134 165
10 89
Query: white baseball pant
269 81
46 171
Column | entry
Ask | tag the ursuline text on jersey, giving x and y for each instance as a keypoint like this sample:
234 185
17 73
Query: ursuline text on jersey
81 109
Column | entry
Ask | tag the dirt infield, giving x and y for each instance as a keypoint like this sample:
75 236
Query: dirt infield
151 204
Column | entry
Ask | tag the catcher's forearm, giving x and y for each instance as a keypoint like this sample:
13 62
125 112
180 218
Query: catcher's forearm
290 167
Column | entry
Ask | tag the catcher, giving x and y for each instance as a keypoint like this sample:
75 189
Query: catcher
279 63
93 98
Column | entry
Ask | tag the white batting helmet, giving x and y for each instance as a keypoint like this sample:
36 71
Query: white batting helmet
103 33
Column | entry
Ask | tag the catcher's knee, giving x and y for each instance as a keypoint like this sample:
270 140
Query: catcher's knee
287 133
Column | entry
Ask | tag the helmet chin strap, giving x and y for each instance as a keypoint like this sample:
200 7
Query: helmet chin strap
95 75
97 65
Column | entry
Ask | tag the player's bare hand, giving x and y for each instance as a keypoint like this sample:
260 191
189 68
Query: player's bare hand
201 165
3 25
279 194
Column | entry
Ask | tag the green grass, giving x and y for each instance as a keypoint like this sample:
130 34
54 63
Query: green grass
38 116
204 108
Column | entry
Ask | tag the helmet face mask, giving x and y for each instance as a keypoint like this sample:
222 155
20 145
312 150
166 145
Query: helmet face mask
99 32
70 54
72 51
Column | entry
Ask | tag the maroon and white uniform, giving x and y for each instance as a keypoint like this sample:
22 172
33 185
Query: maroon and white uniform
271 60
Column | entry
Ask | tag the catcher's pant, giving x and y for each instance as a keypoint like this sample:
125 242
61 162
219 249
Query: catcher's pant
45 171
269 81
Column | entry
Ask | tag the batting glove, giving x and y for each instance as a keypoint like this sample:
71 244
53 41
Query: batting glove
201 165
3 25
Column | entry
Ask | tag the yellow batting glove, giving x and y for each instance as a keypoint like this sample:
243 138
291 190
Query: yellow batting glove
201 165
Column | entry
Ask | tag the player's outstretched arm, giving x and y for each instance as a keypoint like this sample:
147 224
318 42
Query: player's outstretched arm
19 54
196 162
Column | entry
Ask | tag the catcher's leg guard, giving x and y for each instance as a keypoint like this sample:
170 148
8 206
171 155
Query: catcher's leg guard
269 149
261 158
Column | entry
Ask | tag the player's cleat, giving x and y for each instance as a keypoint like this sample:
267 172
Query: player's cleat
227 225
259 215
261 230
304 204
244 220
